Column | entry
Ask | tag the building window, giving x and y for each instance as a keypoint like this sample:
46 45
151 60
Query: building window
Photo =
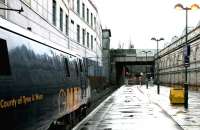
71 4
72 22
87 15
4 59
83 35
91 18
83 11
2 5
78 33
91 42
88 40
54 12
61 19
72 30
67 24
78 6
94 22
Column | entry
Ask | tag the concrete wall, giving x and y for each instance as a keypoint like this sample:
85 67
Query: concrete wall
106 54
171 66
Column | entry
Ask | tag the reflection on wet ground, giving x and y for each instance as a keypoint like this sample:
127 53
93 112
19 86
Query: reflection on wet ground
188 119
128 109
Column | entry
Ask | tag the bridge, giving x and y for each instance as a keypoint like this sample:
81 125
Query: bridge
135 62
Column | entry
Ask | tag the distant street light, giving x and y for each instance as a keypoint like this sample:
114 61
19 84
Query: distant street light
186 48
146 52
158 84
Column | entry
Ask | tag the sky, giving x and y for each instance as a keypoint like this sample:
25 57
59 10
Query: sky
140 20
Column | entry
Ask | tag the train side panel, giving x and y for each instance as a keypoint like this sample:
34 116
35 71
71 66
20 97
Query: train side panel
37 88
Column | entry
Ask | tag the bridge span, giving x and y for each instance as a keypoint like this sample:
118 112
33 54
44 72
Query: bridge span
131 63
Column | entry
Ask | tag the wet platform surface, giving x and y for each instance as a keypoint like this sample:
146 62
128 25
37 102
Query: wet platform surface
128 109
188 119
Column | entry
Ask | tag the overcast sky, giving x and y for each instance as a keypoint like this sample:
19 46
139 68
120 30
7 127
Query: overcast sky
139 20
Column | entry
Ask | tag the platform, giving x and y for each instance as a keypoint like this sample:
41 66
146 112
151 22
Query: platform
128 109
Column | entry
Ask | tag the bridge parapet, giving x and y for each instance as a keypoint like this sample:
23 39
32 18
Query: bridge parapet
132 55
133 59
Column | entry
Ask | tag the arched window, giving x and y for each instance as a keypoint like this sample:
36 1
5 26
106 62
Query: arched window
160 64
181 58
171 60
174 60
192 51
196 54
178 59
163 62
167 62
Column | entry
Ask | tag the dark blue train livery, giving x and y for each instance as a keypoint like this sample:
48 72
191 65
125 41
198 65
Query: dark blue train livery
40 82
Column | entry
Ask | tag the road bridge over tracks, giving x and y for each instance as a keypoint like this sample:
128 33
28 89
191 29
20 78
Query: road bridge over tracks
133 63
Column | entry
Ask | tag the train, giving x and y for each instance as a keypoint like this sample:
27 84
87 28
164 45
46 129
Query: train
40 82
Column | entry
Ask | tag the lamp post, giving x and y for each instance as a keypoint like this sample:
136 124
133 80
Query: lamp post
146 52
186 51
158 84
10 9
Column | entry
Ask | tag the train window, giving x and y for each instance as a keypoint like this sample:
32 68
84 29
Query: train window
81 65
67 73
4 59
76 67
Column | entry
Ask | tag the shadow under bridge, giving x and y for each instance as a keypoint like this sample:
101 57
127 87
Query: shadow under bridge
137 68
